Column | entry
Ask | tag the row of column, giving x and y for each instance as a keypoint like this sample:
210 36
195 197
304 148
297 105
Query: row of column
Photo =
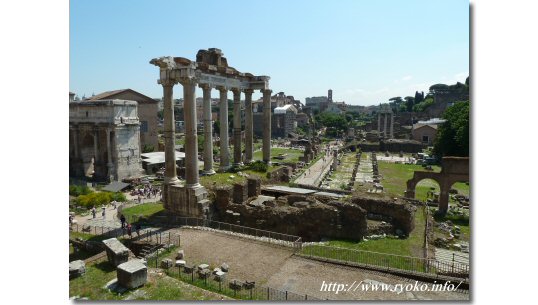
391 133
191 138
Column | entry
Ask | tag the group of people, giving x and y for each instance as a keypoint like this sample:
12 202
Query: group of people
148 192
125 226
103 212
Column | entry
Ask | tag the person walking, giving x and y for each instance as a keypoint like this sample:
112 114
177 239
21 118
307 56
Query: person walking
94 212
104 212
122 219
129 230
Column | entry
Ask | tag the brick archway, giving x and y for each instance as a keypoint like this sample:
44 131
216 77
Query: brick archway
455 169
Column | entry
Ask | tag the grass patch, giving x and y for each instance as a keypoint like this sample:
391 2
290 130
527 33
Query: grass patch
292 155
91 284
143 210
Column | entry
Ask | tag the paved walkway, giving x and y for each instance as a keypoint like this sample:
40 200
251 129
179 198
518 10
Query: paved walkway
312 175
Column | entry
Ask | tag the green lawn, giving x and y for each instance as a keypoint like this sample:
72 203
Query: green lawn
91 285
292 155
144 210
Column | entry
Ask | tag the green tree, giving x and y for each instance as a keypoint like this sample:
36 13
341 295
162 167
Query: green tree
409 102
453 135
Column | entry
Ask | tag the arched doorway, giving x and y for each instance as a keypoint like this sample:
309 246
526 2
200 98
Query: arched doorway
87 152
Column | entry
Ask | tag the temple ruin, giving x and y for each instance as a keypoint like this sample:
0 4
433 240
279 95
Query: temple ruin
210 70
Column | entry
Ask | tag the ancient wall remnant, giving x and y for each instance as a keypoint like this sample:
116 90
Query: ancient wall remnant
401 213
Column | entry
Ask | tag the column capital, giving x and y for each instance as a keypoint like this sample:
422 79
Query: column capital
266 91
248 91
236 90
205 86
166 82
221 88
188 80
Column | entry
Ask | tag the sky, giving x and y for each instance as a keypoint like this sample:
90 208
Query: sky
365 51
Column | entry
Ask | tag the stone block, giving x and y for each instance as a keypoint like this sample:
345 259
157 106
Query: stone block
188 268
254 187
220 276
166 263
76 268
224 267
180 254
180 263
240 194
204 273
203 266
236 285
132 274
223 197
116 252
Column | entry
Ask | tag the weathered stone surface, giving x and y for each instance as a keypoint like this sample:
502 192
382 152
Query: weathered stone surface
116 252
180 263
76 268
236 285
224 267
204 273
220 276
188 268
253 187
240 193
180 254
203 266
166 263
132 274
402 214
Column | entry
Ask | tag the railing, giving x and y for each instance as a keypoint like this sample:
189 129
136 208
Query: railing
385 261
235 289
176 222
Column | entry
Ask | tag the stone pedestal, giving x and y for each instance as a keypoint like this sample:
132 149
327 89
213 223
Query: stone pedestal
116 252
254 187
132 274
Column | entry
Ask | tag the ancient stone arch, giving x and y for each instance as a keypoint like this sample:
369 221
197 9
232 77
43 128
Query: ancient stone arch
454 169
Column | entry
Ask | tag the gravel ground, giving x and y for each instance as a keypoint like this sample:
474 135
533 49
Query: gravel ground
276 267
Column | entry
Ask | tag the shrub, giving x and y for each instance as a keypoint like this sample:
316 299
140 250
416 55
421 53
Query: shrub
98 199
77 190
259 166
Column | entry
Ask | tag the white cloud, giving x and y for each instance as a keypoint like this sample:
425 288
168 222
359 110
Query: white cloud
407 77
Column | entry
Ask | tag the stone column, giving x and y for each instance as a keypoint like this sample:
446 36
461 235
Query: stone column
191 137
75 142
169 134
208 131
379 123
385 126
95 147
224 153
392 125
248 126
237 127
110 165
266 126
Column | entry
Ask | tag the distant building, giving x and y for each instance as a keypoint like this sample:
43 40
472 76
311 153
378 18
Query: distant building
104 139
424 133
284 121
71 97
147 112
316 102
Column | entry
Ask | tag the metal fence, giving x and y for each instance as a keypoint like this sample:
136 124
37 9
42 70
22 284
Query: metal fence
385 261
234 288
257 234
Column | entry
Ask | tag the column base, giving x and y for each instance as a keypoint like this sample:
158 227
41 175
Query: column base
209 172
171 180
267 162
248 161
238 164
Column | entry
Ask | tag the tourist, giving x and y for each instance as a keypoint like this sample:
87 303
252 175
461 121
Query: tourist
103 213
129 228
122 219
94 212
139 199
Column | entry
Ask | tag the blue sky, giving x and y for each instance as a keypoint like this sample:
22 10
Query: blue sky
366 51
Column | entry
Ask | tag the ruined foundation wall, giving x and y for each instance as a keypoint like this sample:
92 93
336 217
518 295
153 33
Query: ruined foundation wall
402 214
